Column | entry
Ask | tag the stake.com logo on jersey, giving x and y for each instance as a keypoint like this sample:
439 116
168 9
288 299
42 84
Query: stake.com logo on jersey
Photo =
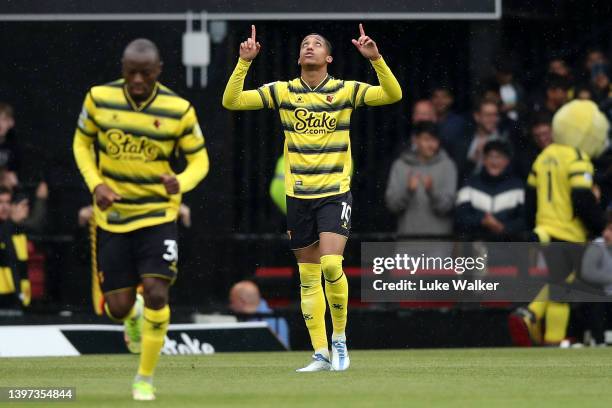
313 123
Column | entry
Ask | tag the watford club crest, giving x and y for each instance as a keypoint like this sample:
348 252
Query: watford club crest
330 98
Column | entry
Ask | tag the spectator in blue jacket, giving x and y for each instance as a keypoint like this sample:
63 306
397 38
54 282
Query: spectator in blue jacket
491 204
245 299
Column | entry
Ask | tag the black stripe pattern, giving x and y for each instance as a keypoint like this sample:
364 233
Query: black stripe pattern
363 94
305 191
123 178
142 200
313 149
121 221
264 100
317 169
157 112
355 91
195 149
318 108
85 132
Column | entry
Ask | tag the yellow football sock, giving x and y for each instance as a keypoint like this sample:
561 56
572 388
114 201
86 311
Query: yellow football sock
539 304
313 304
557 318
154 329
336 290
120 319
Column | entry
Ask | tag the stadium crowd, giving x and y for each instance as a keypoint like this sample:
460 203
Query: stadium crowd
465 174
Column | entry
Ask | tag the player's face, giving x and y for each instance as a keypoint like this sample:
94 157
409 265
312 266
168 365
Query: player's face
314 52
140 72
427 145
5 207
495 163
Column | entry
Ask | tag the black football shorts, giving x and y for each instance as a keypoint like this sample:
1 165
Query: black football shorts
125 258
307 218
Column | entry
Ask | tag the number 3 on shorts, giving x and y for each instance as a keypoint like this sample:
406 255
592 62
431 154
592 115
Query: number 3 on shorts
346 212
171 254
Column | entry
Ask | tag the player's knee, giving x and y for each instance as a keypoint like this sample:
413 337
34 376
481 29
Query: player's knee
119 310
332 267
155 296
310 278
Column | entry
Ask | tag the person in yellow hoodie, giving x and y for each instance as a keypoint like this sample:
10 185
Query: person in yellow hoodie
15 287
315 111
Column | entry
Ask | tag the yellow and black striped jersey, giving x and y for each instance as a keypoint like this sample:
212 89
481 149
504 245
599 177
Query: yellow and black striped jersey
557 170
134 144
316 124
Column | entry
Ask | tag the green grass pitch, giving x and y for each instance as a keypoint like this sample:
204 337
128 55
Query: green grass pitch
391 378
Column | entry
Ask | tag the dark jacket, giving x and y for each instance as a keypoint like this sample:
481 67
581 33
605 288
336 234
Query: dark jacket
502 196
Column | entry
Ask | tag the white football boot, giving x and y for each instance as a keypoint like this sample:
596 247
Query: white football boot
340 358
319 363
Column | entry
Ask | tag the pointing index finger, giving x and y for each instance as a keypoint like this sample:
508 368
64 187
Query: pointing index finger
361 30
253 32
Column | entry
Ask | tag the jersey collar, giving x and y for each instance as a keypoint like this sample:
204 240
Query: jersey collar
146 103
316 88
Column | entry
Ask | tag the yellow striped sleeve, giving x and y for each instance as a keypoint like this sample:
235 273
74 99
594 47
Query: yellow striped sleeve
193 145
234 97
267 94
83 144
358 92
389 91
86 124
581 174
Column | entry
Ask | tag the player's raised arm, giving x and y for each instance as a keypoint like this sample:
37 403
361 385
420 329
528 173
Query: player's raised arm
389 90
234 97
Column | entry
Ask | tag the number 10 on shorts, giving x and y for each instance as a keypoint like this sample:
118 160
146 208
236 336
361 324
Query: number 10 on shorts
346 212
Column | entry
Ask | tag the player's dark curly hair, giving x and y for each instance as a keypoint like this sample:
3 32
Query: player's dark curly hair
325 41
